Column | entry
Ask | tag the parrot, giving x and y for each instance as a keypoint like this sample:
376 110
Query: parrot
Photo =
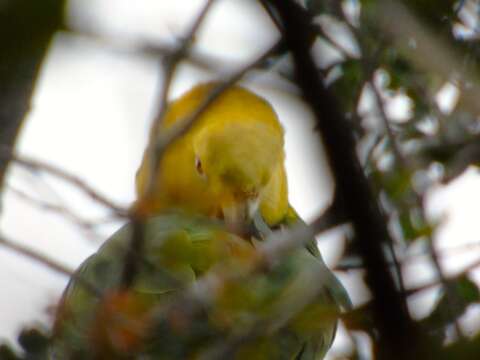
218 191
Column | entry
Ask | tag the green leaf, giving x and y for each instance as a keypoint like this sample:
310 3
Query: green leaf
408 230
349 84
453 304
467 289
6 353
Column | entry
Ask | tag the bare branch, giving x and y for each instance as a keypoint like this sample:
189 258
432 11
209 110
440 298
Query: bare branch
26 29
133 256
169 67
275 248
156 49
41 166
398 335
83 224
446 280
49 263
165 138
403 164
403 26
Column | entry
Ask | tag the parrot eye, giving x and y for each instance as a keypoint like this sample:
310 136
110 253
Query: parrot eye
198 166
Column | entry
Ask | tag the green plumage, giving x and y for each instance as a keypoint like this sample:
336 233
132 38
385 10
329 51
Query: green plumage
257 317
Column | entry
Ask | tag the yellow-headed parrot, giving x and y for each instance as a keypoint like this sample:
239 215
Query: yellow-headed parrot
227 170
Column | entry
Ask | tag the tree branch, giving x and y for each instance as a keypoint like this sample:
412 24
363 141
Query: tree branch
68 177
49 263
164 139
26 28
398 336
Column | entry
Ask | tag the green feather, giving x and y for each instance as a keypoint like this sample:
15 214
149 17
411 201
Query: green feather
178 249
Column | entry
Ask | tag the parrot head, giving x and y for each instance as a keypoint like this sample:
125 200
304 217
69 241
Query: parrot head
237 161
228 165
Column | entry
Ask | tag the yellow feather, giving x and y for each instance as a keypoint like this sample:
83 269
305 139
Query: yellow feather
239 142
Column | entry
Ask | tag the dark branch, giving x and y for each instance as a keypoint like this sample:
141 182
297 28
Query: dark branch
26 28
398 336
159 145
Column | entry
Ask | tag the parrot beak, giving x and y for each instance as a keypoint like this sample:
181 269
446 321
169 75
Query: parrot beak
239 215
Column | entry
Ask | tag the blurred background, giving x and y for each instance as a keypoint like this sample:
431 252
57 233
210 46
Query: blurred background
91 111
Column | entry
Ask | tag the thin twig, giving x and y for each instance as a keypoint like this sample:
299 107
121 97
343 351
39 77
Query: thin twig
397 21
42 166
472 266
281 313
180 128
403 164
49 263
173 60
57 208
460 249
157 49
278 245
166 137
168 70
329 39
400 159
133 256
273 250
399 336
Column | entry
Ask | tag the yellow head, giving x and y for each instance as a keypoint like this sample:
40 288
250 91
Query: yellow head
230 161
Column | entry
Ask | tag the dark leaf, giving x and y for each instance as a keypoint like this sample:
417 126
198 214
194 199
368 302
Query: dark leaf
33 341
6 353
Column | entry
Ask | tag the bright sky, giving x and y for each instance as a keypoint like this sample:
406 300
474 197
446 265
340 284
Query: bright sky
90 116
